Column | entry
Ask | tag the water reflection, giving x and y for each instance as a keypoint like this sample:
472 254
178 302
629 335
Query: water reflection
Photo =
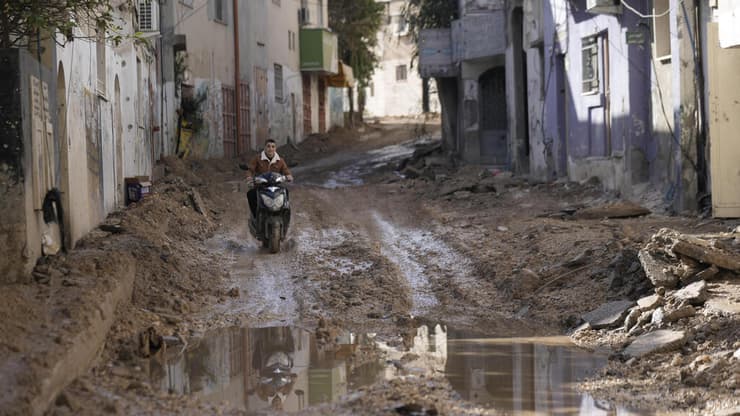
262 368
283 368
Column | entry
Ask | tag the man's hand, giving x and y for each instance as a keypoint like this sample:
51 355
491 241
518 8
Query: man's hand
289 177
249 177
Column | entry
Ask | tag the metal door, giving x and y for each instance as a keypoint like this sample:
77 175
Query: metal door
306 104
245 134
724 123
229 112
262 119
494 147
322 106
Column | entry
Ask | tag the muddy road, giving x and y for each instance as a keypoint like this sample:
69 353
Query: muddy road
451 293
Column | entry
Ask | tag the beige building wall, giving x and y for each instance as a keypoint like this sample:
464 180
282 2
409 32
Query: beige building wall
283 69
208 27
210 40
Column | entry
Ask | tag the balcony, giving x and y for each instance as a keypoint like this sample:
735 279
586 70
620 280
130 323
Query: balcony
435 54
480 35
318 51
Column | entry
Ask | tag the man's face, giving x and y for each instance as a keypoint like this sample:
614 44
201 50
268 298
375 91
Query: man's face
270 149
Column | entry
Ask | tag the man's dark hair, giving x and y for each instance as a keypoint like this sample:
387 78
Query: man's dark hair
270 141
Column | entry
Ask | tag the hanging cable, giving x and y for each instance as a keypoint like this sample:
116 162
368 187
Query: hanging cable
648 16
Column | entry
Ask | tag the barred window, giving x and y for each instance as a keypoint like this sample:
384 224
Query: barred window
590 64
278 82
401 73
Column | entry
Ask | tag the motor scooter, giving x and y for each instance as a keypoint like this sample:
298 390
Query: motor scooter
272 217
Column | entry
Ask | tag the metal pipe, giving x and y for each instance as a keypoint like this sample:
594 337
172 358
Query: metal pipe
237 84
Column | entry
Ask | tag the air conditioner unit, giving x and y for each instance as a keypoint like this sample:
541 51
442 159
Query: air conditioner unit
148 12
604 6
304 16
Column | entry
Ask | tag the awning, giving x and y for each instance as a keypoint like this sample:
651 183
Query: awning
344 78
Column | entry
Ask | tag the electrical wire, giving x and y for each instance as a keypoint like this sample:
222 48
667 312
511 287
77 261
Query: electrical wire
649 16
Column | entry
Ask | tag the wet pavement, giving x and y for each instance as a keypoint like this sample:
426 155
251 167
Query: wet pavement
254 369
349 169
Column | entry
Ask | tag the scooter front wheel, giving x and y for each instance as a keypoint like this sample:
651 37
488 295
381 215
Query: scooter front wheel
275 238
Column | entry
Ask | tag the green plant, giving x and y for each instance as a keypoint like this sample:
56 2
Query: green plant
21 21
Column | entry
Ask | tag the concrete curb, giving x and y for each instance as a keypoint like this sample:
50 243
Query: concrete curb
86 344
80 349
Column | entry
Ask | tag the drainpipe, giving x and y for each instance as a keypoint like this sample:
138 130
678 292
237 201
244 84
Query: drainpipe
237 77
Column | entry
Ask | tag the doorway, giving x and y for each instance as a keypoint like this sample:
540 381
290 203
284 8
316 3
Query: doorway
494 147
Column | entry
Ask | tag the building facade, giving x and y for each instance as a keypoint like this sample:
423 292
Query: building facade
84 115
624 92
395 88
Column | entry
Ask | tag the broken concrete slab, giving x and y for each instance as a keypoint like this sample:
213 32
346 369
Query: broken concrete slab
661 340
695 293
608 315
706 251
658 316
657 268
680 313
632 317
707 273
649 303
624 209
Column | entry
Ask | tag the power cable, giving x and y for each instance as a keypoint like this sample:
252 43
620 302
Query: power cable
649 16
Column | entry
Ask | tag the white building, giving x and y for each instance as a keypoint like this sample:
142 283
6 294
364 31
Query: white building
396 88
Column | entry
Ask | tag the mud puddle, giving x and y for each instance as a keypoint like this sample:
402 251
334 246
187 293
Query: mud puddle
284 368
349 169
253 369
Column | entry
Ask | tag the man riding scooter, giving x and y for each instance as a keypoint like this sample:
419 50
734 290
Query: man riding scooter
268 171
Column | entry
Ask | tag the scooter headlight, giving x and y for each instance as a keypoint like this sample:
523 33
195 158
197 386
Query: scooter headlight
273 204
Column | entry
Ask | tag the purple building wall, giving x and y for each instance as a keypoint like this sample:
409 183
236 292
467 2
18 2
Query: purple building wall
598 134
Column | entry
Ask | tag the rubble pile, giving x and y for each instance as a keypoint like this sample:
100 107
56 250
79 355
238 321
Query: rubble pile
693 312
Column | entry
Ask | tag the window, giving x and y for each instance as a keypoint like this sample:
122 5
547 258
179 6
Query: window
148 14
320 18
662 29
219 11
590 64
401 73
291 40
278 82
402 27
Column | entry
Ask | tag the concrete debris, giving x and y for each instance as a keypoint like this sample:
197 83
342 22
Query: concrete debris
671 257
632 318
580 259
680 313
623 209
197 202
695 293
707 273
657 267
657 341
649 303
608 315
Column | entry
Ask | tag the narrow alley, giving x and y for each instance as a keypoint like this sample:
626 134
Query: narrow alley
475 207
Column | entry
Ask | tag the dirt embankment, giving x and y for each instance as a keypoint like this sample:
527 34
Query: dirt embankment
145 267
